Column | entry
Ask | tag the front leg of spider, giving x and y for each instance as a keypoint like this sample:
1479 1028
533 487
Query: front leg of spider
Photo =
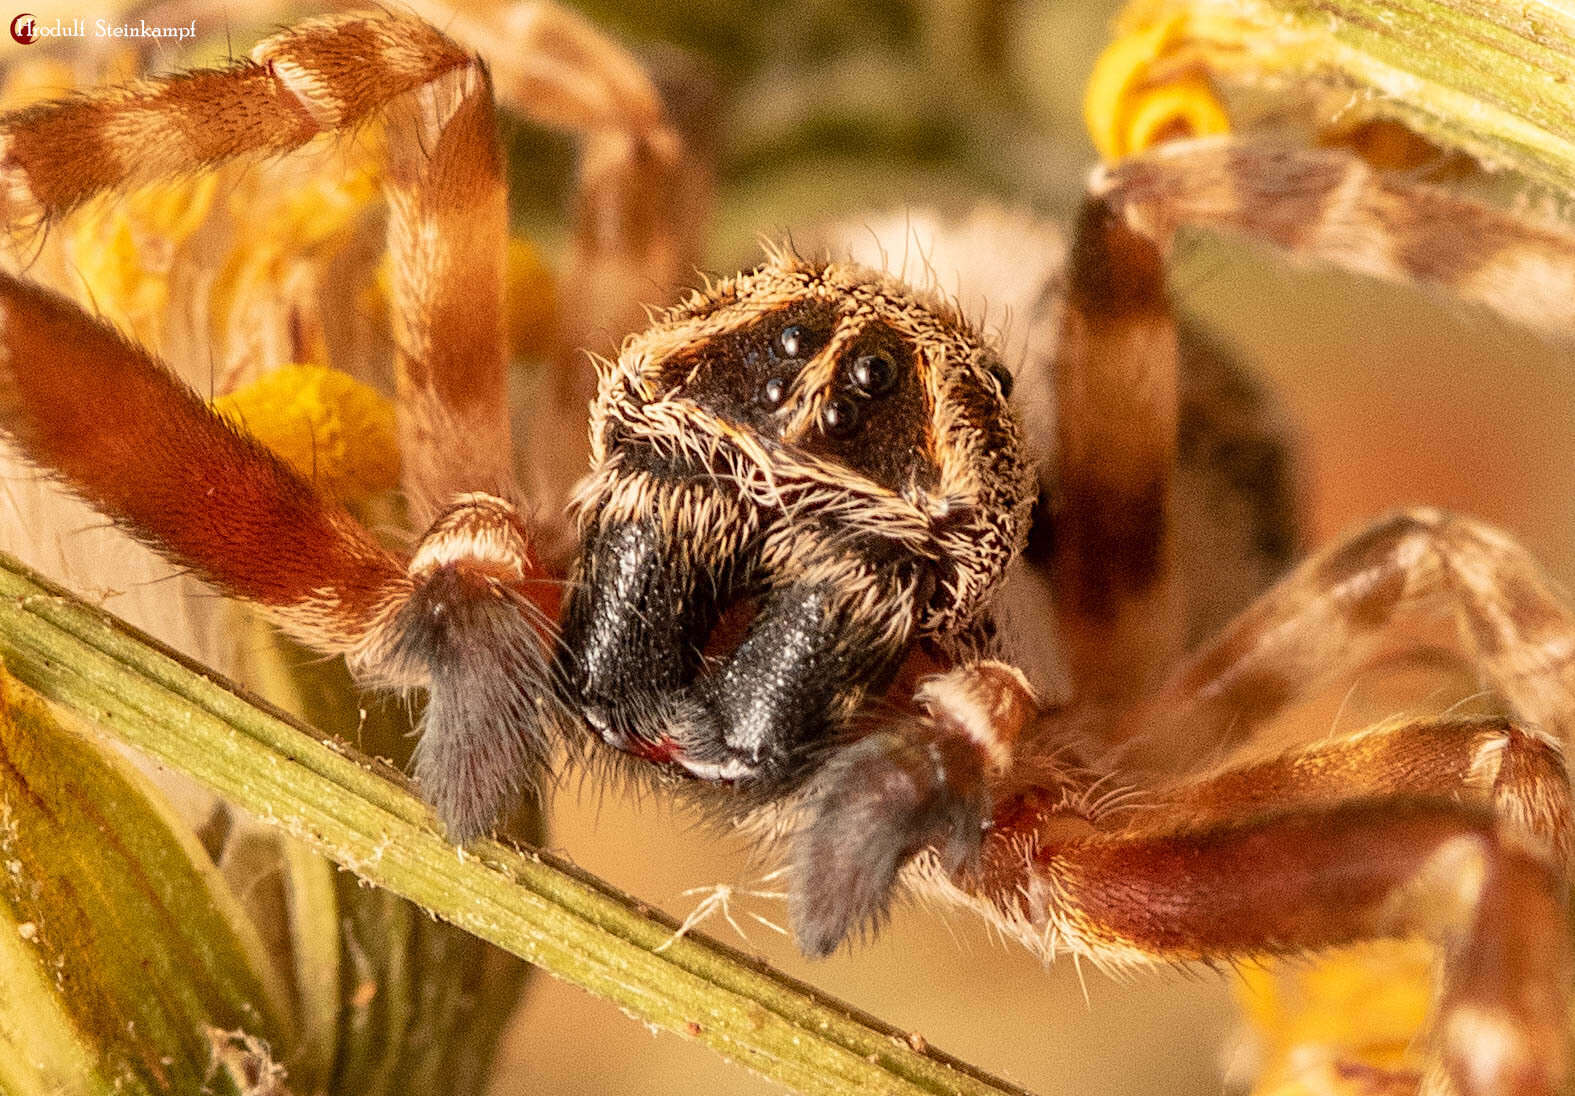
804 480
471 630
926 782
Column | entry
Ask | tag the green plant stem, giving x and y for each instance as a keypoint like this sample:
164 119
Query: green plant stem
363 816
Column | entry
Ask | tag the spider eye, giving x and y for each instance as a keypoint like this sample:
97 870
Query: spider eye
1003 379
773 392
797 341
839 417
873 374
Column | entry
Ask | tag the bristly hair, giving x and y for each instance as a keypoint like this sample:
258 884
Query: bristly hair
493 709
874 806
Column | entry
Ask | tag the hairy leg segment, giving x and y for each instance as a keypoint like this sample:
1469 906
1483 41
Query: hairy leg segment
467 615
1459 830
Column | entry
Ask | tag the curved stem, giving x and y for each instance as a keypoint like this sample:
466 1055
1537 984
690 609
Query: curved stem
362 814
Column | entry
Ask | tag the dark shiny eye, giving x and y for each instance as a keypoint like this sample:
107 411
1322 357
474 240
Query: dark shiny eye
773 392
796 341
1003 378
873 374
839 417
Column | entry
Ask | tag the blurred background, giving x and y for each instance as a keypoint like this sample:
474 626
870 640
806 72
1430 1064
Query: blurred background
826 109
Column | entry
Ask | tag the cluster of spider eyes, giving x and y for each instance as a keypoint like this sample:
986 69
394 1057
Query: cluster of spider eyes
868 376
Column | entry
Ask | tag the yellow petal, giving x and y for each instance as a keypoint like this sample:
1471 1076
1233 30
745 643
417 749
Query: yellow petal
1360 1008
1121 68
124 250
1127 109
1184 108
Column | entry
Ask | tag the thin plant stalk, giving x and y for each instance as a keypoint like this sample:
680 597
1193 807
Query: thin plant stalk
362 814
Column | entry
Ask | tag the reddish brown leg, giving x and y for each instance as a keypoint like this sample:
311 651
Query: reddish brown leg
643 196
1437 829
82 401
1519 773
447 233
1355 840
1319 876
1111 558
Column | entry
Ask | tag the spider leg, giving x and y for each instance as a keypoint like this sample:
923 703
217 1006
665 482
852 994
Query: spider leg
925 781
642 198
1313 876
1520 773
1111 555
1433 829
1329 206
470 617
1338 608
447 234
1361 837
1106 537
80 399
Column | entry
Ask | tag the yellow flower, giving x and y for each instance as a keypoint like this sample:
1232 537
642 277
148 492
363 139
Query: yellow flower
126 251
1333 1025
326 425
1143 90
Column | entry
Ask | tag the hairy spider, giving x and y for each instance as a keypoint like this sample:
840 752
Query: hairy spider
824 576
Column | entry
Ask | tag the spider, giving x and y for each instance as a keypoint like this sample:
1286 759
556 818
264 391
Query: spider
845 569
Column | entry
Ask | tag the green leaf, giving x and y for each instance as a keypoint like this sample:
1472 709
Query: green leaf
134 949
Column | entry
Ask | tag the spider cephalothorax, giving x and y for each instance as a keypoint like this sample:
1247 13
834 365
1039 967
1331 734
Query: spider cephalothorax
819 443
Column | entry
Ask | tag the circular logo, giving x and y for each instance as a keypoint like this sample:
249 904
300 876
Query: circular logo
24 28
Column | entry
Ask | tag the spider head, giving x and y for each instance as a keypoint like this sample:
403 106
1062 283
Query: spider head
797 475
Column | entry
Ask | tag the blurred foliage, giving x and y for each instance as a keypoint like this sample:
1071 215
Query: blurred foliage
815 109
